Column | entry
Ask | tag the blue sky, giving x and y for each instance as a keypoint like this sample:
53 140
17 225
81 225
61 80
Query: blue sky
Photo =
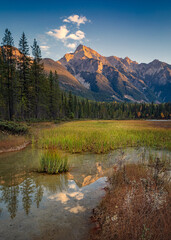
138 29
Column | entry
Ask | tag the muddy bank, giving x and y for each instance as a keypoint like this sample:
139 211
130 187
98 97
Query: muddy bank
15 142
11 143
15 148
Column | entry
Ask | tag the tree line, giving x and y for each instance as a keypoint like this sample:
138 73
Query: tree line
28 93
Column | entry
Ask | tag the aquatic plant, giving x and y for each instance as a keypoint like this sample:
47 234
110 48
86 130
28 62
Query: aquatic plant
53 162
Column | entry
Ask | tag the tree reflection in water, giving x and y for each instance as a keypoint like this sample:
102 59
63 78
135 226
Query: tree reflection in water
27 190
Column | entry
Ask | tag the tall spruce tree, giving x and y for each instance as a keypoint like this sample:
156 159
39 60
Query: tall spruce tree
37 78
51 96
2 96
70 106
24 76
9 68
57 94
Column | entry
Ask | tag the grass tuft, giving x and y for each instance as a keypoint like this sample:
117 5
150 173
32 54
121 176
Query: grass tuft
53 162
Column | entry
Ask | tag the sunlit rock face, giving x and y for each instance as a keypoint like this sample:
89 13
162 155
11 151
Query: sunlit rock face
120 79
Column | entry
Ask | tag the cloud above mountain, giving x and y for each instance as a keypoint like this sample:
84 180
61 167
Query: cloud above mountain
67 34
71 45
79 35
60 33
76 19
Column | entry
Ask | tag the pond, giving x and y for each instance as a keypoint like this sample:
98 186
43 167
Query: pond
41 206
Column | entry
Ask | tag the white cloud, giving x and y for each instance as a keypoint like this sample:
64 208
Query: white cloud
71 45
44 48
76 19
79 35
59 33
66 20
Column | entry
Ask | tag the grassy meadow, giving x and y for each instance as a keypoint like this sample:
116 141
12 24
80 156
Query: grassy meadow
103 136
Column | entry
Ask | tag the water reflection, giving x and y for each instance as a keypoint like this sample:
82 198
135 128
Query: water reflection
62 202
38 195
9 195
27 191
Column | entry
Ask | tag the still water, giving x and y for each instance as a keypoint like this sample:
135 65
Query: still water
40 206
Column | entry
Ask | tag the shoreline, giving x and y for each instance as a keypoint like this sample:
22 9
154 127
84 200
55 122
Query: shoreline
15 149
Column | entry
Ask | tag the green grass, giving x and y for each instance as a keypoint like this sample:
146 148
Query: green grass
103 136
53 162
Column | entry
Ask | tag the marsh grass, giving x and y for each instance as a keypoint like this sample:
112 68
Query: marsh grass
53 162
160 165
103 136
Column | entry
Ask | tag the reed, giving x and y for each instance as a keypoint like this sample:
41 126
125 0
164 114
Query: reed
53 162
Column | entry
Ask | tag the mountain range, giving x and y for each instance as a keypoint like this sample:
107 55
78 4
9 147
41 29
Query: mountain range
88 74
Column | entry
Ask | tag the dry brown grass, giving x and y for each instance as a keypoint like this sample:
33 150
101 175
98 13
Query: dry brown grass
135 208
12 142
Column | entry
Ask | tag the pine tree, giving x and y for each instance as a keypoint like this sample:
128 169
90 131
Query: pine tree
70 106
37 78
9 66
51 95
2 97
54 95
57 94
24 76
75 107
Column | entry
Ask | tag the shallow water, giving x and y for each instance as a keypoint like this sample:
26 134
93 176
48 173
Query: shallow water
40 206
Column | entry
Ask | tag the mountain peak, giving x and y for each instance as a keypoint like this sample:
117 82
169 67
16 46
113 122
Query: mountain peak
157 64
129 61
86 51
83 52
156 61
80 47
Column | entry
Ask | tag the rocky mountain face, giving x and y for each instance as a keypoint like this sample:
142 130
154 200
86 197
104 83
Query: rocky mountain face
113 78
67 81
